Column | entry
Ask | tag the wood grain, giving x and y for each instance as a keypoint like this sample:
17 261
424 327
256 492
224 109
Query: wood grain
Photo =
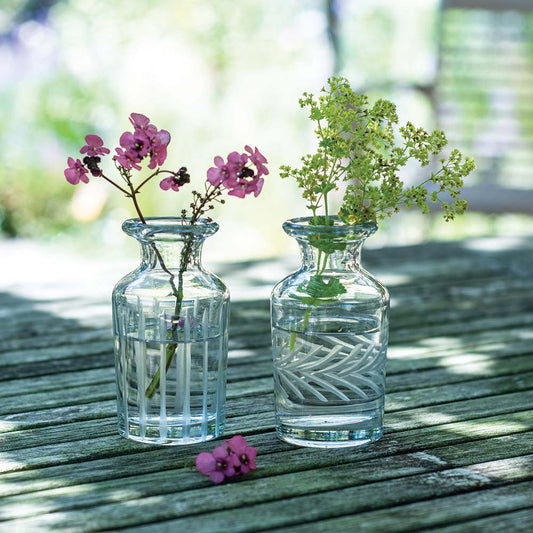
457 453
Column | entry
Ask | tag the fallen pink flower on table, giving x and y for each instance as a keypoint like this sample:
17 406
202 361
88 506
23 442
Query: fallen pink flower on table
231 459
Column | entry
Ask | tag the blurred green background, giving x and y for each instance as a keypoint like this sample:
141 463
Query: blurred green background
222 74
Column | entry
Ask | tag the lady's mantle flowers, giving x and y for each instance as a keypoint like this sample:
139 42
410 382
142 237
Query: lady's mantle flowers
233 458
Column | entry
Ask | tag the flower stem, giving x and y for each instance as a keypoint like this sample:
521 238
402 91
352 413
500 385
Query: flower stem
115 185
177 291
197 210
307 315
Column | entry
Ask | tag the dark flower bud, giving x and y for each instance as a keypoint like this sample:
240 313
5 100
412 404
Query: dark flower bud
246 172
91 162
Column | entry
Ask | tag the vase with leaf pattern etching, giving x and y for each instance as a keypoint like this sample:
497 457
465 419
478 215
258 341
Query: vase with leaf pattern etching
329 337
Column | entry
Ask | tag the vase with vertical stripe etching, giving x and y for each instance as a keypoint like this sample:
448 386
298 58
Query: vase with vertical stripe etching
170 324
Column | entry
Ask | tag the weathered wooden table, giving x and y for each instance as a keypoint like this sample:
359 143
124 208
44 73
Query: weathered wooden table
455 456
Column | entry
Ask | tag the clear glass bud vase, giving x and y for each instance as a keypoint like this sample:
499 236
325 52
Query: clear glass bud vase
170 321
329 337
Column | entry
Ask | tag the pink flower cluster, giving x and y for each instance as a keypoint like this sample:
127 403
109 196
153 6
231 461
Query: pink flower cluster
235 174
145 141
233 458
77 171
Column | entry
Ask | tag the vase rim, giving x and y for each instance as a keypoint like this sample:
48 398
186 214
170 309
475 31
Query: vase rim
301 226
168 228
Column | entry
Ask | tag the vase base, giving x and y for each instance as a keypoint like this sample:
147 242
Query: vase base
172 435
357 433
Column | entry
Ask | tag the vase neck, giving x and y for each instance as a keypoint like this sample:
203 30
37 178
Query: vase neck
314 258
170 243
333 247
172 255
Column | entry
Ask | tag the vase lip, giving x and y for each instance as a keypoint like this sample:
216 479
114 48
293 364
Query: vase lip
301 226
168 228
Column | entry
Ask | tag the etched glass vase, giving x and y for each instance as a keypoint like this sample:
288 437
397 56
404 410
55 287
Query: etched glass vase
329 337
170 322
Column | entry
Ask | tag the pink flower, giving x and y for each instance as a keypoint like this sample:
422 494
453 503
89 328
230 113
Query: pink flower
141 144
258 159
247 187
158 154
219 173
94 146
244 453
163 137
169 183
128 155
237 163
76 172
146 140
158 147
176 180
127 159
217 465
233 458
139 121
235 174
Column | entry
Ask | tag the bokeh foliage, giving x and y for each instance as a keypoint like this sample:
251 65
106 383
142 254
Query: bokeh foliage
217 75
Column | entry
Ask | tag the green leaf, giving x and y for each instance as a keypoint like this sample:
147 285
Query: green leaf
326 243
316 288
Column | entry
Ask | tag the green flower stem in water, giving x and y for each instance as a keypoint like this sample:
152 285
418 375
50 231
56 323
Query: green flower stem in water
309 309
172 348
307 315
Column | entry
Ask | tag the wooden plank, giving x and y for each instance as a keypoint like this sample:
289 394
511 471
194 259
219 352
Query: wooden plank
453 373
82 361
515 521
462 509
412 440
274 458
469 349
49 383
23 340
278 500
458 420
164 481
411 329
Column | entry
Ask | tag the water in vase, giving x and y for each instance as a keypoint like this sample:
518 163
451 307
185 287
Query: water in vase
182 405
329 386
